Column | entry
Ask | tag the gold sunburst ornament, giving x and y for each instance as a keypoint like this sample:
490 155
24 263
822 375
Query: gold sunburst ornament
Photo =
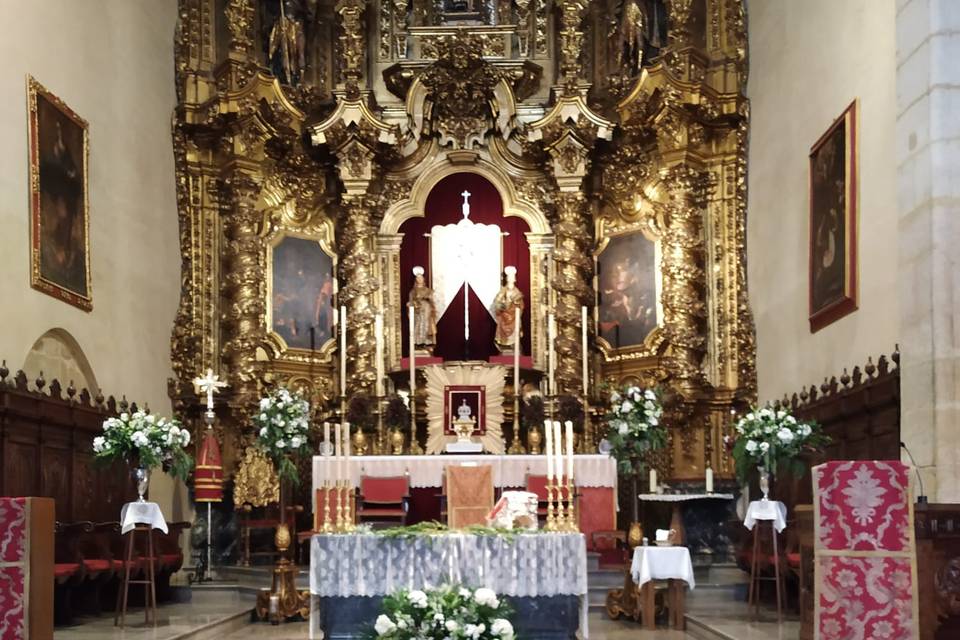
441 379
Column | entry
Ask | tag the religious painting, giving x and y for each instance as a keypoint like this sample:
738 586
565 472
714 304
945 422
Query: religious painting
628 290
59 214
464 401
301 292
833 222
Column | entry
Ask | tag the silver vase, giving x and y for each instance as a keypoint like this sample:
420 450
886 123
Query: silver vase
764 482
141 476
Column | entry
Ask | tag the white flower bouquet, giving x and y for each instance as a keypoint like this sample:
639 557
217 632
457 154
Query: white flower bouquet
633 426
771 437
145 440
448 613
282 423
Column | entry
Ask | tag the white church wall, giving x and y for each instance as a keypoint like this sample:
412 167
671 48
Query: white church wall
112 62
808 61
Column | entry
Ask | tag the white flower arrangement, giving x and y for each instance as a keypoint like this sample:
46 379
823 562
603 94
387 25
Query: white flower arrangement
446 613
282 423
633 426
144 440
768 437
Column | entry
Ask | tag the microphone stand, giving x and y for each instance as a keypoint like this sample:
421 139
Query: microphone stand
922 498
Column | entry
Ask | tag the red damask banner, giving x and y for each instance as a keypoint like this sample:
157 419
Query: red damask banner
14 567
866 569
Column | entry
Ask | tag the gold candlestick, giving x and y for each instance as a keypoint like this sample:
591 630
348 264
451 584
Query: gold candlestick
551 517
561 512
348 525
327 524
340 521
572 525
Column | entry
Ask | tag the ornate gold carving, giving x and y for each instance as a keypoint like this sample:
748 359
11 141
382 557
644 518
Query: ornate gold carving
255 482
492 378
239 14
351 44
571 41
360 282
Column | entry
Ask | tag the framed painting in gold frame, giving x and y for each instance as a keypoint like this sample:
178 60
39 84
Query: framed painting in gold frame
301 289
59 203
833 222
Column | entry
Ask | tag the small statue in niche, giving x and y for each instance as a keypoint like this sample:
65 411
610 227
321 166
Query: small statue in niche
424 313
508 299
633 28
287 49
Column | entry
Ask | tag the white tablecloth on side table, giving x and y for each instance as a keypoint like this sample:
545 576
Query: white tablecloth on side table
766 510
662 563
134 513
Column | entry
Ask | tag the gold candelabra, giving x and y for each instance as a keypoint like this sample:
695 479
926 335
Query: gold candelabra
343 521
561 512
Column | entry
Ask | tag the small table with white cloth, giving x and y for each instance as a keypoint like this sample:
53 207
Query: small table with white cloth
544 575
759 513
139 517
668 563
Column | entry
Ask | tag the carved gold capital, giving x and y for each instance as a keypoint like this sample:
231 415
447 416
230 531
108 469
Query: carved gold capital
352 58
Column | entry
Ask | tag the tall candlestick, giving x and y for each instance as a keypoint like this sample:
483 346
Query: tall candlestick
583 334
551 332
343 351
337 452
346 452
378 335
326 440
413 383
516 351
558 450
548 435
653 480
569 425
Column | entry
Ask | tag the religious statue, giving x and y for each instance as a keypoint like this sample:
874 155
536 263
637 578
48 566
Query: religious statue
287 50
632 37
424 312
508 299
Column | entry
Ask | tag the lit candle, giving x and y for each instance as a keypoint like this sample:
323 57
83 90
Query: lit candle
558 450
583 335
569 425
653 480
516 351
548 434
378 334
337 452
709 479
343 351
551 330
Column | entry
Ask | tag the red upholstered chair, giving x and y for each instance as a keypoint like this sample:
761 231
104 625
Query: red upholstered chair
612 547
538 485
384 500
864 550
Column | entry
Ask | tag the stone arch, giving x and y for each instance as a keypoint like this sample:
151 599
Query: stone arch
59 356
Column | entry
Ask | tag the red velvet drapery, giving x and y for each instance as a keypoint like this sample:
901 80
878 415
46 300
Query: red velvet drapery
443 207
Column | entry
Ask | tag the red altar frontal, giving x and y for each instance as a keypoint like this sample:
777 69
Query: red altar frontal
595 477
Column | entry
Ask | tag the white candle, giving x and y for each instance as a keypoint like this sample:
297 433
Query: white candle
516 351
569 425
346 454
558 450
337 452
709 480
343 351
551 329
413 364
653 480
378 334
548 434
326 439
583 334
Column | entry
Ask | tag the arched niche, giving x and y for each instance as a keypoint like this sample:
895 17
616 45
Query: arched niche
59 356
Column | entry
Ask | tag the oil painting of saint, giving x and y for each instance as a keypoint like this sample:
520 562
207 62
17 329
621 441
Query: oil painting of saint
628 290
833 223
59 213
302 293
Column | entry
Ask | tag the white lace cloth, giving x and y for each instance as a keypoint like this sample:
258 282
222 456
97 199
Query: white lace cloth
134 513
508 470
543 564
662 563
766 510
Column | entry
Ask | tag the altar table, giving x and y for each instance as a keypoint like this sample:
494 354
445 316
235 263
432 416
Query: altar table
544 575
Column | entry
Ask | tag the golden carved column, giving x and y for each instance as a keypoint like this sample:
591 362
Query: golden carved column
683 275
359 283
573 273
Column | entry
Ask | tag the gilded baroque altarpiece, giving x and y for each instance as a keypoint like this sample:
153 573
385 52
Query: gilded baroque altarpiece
592 123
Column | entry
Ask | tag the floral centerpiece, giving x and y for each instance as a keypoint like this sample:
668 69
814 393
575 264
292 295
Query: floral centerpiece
633 427
145 441
768 438
447 613
283 424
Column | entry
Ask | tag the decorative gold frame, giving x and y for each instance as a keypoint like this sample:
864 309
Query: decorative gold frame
492 378
37 280
848 303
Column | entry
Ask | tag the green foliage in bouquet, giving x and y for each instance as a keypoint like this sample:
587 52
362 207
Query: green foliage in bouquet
283 427
450 612
633 427
773 438
145 440
360 412
397 413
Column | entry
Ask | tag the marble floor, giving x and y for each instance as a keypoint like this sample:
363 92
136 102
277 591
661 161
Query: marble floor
224 615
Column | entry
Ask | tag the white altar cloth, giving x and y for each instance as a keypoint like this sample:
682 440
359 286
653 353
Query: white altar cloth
134 513
508 470
766 510
524 565
662 563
